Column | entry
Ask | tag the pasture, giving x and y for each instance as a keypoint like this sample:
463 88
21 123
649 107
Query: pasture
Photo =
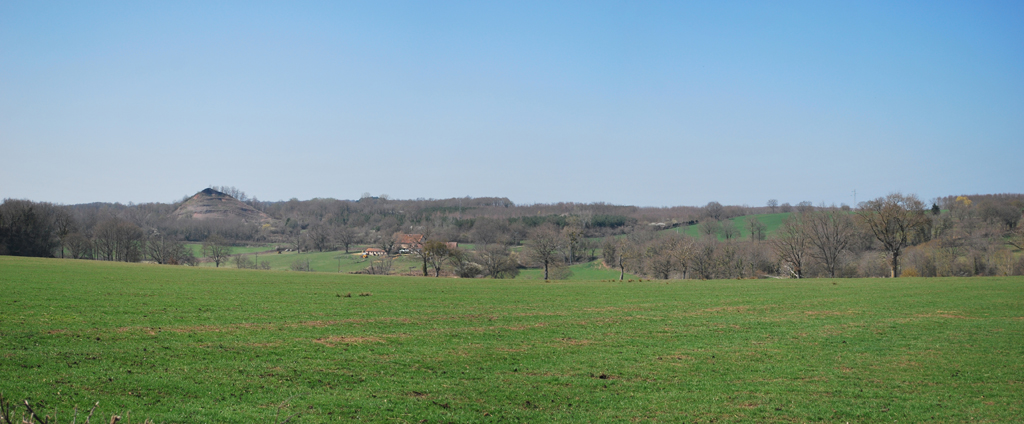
772 222
179 344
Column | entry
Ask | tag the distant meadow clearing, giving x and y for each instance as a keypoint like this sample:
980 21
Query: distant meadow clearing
179 344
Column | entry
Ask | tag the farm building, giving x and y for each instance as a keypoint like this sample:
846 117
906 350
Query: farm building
410 241
373 251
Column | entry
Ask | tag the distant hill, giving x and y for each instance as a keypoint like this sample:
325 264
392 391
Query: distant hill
212 204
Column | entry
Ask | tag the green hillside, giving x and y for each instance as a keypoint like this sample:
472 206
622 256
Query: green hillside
590 271
325 261
772 222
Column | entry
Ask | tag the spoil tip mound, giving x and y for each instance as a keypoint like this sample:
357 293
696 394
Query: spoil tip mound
212 204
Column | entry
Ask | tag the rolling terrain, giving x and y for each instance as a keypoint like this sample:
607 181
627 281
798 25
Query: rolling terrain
180 344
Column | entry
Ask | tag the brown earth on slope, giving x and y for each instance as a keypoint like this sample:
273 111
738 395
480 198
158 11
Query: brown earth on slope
212 204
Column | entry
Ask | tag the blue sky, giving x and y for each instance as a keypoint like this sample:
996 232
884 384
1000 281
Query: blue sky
644 103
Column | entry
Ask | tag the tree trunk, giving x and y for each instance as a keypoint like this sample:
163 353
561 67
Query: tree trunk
545 270
895 265
622 271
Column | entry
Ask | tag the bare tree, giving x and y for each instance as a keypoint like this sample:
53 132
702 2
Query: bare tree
345 237
517 232
26 229
488 231
232 191
119 240
1001 213
714 210
829 231
319 236
542 247
729 230
663 253
704 260
131 242
710 228
730 262
244 262
387 243
436 254
572 238
1017 237
612 253
158 249
301 264
381 265
684 251
757 228
216 249
773 203
63 226
79 246
893 219
463 265
417 247
104 240
169 251
791 243
497 261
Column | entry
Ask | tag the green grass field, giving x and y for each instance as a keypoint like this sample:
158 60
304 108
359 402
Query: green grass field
197 249
324 261
772 222
590 271
179 344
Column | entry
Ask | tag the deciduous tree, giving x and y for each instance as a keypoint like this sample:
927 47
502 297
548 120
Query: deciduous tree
438 253
63 225
319 236
829 232
714 210
611 251
729 230
756 228
79 246
497 261
709 228
216 249
345 237
463 265
1017 237
704 260
893 219
790 244
26 229
542 247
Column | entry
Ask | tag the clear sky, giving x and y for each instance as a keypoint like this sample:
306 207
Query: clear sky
629 102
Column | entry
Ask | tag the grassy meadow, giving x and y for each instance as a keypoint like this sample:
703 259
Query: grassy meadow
180 344
772 222
593 270
197 249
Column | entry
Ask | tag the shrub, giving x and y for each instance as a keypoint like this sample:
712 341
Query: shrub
301 265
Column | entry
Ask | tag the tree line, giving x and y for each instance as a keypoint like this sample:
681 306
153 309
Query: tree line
888 236
885 237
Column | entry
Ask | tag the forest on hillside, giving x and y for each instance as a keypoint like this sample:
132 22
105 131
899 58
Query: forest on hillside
958 235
